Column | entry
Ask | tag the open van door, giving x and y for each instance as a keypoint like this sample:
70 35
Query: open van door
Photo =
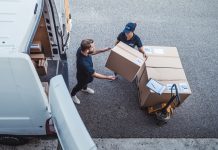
70 129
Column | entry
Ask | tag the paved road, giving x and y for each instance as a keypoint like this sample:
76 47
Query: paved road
191 26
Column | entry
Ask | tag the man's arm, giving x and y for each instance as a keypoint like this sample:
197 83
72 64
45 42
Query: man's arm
140 46
101 76
100 51
142 51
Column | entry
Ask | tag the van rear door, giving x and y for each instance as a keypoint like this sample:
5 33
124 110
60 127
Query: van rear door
70 129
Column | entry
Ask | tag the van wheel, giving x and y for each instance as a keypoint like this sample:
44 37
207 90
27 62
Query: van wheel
13 140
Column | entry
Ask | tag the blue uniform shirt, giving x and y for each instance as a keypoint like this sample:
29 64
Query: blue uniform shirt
134 41
84 66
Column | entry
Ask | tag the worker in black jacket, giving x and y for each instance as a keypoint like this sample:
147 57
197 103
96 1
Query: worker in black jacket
128 37
85 71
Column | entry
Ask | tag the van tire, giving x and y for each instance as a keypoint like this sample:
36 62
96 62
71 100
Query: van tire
13 140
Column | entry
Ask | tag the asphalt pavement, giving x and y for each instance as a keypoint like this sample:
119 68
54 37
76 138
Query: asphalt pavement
112 114
191 26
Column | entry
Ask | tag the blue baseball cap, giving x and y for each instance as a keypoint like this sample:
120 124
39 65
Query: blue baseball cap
130 27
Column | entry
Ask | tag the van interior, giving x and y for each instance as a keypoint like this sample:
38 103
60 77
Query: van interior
41 52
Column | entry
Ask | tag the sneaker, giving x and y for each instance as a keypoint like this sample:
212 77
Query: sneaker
89 90
75 99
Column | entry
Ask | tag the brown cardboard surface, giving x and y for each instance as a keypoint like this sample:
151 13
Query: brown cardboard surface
164 66
166 74
131 50
37 56
42 67
139 74
124 61
42 36
143 94
36 47
159 62
150 98
161 51
143 78
164 62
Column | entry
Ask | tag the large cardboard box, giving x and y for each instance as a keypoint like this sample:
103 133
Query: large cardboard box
36 47
42 67
161 51
37 57
163 65
160 62
125 61
165 76
149 98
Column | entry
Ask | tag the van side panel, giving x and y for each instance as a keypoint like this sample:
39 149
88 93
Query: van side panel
23 102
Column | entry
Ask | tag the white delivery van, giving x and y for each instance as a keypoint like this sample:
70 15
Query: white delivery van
34 98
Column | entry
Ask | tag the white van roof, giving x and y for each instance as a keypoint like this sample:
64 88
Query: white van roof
18 23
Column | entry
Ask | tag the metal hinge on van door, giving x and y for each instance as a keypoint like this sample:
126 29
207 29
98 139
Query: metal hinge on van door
36 7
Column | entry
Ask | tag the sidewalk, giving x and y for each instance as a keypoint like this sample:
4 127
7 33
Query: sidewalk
157 144
128 144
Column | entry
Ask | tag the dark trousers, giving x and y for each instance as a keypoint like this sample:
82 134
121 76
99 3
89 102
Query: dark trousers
80 85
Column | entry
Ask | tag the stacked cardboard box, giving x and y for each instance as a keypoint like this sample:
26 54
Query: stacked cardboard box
125 61
42 67
36 47
163 65
40 63
160 51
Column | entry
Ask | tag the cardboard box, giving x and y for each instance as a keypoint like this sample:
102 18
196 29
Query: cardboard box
165 76
125 61
149 98
161 51
139 74
161 74
159 62
37 57
42 67
163 62
36 47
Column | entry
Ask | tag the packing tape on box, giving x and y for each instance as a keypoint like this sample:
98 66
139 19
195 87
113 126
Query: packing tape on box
150 50
182 87
138 61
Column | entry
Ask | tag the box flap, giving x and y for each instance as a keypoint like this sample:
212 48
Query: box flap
131 50
161 51
166 74
122 52
164 62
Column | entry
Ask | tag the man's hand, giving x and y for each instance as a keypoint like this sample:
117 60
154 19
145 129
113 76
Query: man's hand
145 56
111 77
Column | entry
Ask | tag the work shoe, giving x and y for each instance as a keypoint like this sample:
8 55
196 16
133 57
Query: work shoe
89 90
75 99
